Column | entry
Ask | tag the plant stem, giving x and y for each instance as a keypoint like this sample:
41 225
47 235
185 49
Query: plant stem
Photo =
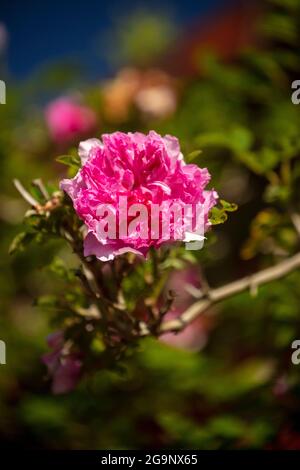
25 194
214 296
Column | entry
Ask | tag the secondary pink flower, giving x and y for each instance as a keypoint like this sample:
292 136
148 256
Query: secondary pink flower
146 169
195 335
192 338
63 366
67 119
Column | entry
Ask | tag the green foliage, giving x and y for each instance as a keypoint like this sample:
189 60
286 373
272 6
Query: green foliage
69 160
240 390
218 214
20 241
141 37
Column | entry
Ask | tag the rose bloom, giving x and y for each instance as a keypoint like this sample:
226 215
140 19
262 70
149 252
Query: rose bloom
146 169
64 367
66 120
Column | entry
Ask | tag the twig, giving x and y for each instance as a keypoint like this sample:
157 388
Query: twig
154 264
296 222
38 183
83 276
216 295
194 291
205 288
25 194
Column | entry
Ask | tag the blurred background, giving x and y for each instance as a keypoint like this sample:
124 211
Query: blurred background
217 74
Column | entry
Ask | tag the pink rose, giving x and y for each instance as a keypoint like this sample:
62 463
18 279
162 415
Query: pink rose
146 170
66 120
63 366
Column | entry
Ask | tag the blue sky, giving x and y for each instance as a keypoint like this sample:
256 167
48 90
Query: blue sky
50 30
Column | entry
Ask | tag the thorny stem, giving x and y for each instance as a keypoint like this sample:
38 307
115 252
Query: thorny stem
221 293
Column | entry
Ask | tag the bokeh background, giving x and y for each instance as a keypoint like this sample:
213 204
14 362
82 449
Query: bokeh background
217 74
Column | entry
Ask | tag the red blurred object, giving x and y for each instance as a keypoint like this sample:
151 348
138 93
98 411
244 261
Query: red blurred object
287 439
225 34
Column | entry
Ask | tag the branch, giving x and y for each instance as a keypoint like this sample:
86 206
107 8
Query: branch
38 183
214 296
296 221
25 194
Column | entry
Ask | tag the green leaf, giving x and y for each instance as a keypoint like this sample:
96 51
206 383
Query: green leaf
20 241
46 302
72 161
228 206
59 268
237 139
218 215
227 426
240 139
250 160
193 155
